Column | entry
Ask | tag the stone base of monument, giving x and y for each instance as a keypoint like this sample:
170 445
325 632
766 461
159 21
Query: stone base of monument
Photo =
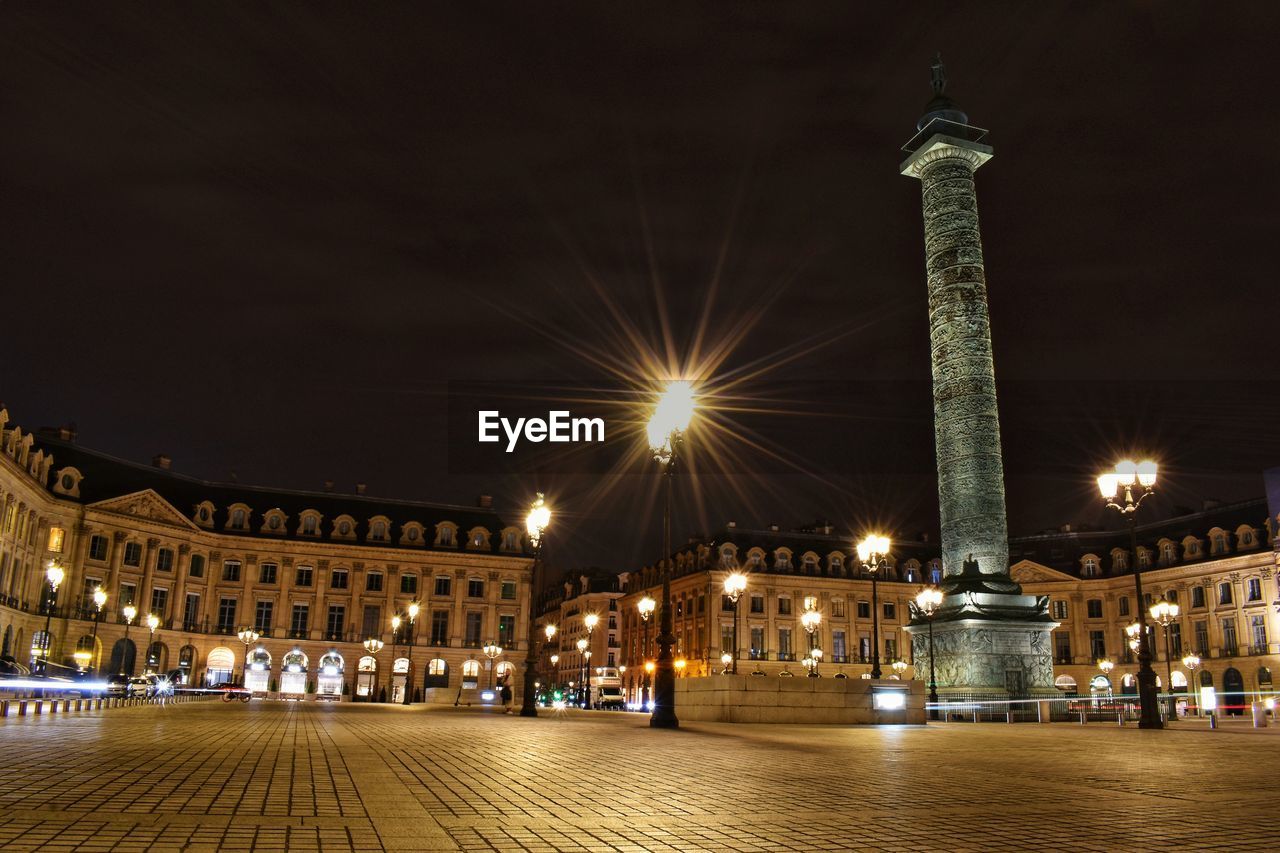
980 659
808 701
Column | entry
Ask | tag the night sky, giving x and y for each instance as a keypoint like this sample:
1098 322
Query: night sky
272 239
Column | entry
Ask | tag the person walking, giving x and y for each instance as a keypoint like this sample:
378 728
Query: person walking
504 690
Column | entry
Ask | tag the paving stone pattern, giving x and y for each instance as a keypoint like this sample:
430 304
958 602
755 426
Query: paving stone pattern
277 776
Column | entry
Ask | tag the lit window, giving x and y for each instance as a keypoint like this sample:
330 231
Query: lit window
56 537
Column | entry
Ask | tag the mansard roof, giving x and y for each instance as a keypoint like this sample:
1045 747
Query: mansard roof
107 477
1064 549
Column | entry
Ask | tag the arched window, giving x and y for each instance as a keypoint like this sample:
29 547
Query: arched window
470 672
437 666
503 668
1065 683
331 664
219 666
367 664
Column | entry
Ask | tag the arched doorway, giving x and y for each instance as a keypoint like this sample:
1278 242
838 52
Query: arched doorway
123 657
219 667
186 661
437 673
157 657
331 669
366 677
41 644
470 674
1264 679
293 674
1066 684
399 678
258 676
86 654
1233 692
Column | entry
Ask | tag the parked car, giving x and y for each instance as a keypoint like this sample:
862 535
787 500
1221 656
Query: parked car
117 685
147 686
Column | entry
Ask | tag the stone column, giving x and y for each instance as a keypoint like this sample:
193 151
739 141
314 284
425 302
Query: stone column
966 425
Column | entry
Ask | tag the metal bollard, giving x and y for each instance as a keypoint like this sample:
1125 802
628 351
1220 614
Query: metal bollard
1120 718
975 715
4 708
22 707
1008 715
53 706
39 707
1083 717
1213 719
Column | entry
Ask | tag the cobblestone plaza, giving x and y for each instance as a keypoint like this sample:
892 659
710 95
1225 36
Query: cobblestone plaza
305 776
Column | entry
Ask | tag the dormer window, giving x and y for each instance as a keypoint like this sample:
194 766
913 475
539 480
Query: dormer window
446 534
755 559
344 527
836 562
67 482
810 564
782 559
411 533
310 524
238 517
478 538
275 522
1168 553
378 529
508 540
203 514
1089 566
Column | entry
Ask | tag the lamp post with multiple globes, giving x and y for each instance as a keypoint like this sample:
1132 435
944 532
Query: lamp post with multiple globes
646 607
734 586
582 645
1192 663
129 612
491 651
810 620
872 552
928 600
99 601
373 645
248 636
1165 612
666 428
408 677
54 574
535 524
153 622
1123 490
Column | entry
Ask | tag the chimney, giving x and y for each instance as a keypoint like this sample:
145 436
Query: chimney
360 487
328 485
484 501
161 461
731 525
773 527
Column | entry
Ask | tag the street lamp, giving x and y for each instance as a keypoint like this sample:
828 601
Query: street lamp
248 636
555 666
535 524
590 621
408 677
373 645
1106 666
666 428
54 574
726 661
899 667
1192 663
1166 613
646 607
153 622
928 600
99 601
582 668
491 651
734 586
872 552
395 638
129 612
810 620
1138 481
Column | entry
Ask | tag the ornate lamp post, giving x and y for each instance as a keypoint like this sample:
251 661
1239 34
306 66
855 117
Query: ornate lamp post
248 636
1138 481
491 651
872 552
726 661
555 667
582 670
666 428
153 622
646 607
591 620
535 524
408 678
734 586
928 600
395 638
99 601
898 667
1192 663
54 574
373 645
129 612
1166 613
810 620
